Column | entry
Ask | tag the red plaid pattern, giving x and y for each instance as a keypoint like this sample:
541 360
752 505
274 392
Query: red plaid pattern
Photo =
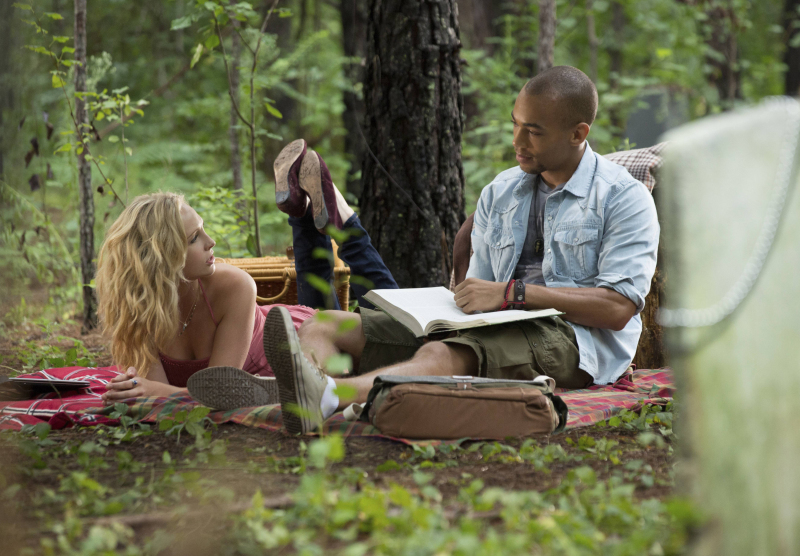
84 407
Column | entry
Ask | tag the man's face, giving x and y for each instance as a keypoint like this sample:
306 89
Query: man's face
542 141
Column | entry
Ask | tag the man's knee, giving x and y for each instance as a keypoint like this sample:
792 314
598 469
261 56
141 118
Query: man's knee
460 358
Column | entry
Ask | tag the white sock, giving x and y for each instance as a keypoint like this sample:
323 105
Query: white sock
330 401
345 212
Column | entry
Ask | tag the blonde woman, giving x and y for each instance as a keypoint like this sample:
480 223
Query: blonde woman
171 310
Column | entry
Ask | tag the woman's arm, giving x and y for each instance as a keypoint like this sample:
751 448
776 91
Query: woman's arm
130 385
234 332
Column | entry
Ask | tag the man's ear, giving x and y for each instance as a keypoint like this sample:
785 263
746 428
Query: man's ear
579 134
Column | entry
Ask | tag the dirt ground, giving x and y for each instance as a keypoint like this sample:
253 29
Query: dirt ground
261 460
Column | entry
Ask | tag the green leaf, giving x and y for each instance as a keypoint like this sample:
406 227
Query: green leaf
62 39
113 139
212 42
181 23
53 15
338 364
274 111
66 147
58 82
198 51
39 50
67 50
22 6
388 465
251 245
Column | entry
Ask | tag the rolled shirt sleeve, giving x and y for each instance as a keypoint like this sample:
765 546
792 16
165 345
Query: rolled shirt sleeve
627 258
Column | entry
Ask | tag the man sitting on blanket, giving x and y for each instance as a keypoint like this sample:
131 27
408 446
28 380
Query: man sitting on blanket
565 229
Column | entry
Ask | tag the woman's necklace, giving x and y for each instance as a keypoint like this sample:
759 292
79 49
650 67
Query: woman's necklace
191 314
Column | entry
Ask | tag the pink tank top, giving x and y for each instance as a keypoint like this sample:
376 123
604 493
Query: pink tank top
178 371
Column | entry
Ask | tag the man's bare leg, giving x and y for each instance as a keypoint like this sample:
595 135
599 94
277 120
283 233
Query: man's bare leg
332 332
432 359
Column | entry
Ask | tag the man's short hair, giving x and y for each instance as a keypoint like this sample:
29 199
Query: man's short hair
571 88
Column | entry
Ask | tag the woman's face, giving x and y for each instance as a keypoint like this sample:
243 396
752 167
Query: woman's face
200 253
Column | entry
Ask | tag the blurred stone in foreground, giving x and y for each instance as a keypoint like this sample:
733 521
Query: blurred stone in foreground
739 379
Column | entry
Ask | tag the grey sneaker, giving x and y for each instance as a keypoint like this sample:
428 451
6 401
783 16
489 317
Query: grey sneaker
300 384
232 388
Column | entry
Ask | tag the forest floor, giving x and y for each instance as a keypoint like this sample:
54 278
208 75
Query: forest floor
231 489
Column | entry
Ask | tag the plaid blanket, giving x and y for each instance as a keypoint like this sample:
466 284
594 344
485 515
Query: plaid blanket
85 408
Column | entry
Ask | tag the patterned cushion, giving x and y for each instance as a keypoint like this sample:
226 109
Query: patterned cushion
643 164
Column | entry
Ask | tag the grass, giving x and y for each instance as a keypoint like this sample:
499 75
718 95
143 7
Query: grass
186 486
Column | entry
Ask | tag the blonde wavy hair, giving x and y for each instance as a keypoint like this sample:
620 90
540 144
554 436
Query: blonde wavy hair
138 272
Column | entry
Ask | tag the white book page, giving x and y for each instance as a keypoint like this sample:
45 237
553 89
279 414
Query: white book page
438 304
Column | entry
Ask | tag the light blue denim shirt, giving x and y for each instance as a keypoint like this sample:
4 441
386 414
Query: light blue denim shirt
601 231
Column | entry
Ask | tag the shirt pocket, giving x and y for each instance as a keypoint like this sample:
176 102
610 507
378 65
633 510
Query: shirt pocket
501 249
576 251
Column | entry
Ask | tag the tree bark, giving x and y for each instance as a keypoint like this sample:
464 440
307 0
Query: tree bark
7 40
413 124
354 38
616 62
84 175
547 35
791 57
482 22
725 75
236 157
591 34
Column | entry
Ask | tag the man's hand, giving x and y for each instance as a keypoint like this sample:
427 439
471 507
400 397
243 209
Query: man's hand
474 294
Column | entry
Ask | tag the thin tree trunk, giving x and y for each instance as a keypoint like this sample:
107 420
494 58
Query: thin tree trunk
84 175
354 37
482 18
591 33
233 133
547 35
723 40
792 55
413 124
7 40
616 62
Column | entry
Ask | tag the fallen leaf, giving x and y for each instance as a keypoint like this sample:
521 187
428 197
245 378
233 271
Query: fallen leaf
35 182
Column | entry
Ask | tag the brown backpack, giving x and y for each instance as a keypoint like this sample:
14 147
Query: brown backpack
438 407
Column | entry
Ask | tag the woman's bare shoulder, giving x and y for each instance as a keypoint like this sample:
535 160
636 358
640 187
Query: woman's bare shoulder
231 281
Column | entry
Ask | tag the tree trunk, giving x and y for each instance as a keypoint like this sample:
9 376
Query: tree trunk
791 57
547 35
233 133
616 63
7 36
84 175
354 36
591 34
482 22
725 75
413 124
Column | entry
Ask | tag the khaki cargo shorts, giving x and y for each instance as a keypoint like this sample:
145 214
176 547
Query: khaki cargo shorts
519 350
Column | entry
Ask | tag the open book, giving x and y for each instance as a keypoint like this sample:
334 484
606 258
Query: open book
428 310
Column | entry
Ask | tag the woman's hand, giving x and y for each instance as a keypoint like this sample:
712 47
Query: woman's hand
130 385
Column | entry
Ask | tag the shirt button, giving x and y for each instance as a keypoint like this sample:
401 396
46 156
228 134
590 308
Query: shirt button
549 217
548 250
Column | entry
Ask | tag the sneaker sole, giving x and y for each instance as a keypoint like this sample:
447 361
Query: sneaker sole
231 388
278 349
287 157
311 182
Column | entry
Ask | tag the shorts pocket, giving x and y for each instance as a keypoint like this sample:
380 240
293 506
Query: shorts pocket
576 251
